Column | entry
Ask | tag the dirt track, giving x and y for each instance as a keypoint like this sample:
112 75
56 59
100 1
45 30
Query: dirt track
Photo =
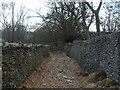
60 71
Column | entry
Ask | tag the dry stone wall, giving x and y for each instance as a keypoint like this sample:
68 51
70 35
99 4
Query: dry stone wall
99 54
19 62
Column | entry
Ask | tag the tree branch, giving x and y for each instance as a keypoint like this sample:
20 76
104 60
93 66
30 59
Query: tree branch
70 9
90 7
90 21
100 4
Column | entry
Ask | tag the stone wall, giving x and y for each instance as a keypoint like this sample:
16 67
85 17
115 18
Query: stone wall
19 62
99 54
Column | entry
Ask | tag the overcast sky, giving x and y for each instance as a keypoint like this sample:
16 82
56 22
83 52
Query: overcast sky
36 5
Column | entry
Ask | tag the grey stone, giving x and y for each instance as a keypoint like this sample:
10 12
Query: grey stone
99 54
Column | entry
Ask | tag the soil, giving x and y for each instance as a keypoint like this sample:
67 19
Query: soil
60 71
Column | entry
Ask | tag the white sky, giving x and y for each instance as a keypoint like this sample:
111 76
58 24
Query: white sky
34 5
39 4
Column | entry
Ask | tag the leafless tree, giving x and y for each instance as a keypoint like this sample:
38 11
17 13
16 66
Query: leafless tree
96 12
13 22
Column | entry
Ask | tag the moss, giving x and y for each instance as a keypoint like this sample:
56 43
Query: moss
111 81
83 47
101 75
84 44
107 82
83 78
5 60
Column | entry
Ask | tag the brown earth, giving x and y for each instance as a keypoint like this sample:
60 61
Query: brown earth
60 71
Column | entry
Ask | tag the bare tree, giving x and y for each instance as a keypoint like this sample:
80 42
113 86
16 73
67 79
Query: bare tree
96 12
85 26
4 21
110 22
19 25
13 26
13 22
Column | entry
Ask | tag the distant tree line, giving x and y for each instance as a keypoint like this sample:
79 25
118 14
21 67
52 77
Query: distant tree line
13 28
66 21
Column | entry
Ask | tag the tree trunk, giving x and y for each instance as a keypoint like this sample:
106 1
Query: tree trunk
8 35
13 28
84 23
96 12
97 23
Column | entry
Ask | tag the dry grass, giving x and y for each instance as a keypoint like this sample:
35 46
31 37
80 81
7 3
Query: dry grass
97 80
